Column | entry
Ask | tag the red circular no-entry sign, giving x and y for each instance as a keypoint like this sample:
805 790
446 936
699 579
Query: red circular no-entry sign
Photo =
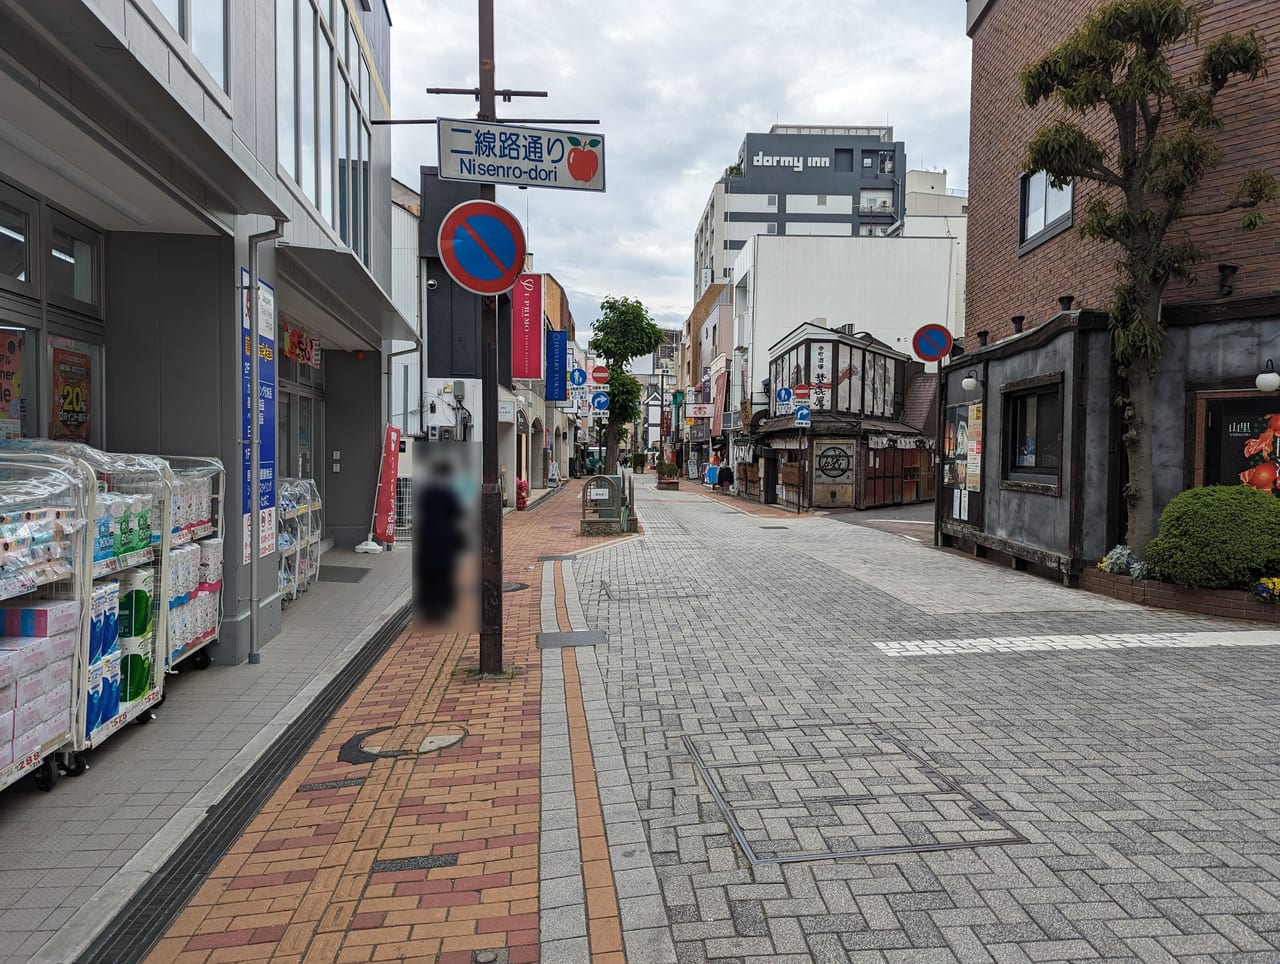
600 375
800 392
482 247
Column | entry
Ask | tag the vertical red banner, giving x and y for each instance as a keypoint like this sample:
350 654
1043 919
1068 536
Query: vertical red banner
526 327
384 517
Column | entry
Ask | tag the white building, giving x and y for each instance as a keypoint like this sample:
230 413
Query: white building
888 287
937 211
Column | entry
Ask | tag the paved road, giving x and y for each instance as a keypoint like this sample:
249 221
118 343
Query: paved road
912 521
1021 771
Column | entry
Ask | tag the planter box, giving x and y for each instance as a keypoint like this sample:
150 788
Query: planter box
1230 603
668 485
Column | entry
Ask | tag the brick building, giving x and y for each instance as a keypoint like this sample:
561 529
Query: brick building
1040 473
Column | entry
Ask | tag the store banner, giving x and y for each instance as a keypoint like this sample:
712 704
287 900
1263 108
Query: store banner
973 466
557 366
11 400
298 346
72 394
384 513
266 337
717 402
526 327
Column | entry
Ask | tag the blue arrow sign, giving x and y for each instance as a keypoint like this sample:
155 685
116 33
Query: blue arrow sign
802 415
600 401
578 376
784 394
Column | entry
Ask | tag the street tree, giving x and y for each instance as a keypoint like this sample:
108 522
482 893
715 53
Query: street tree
624 331
1145 131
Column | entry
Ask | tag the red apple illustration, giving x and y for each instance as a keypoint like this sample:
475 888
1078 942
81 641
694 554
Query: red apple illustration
583 161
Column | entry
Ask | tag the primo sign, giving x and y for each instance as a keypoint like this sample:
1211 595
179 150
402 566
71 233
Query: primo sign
473 150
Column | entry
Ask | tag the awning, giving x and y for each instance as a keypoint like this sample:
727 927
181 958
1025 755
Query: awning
335 294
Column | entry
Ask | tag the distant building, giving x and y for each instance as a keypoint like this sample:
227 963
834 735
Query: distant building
799 180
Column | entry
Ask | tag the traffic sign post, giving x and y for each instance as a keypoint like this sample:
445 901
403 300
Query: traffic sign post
578 377
800 393
783 403
932 343
803 416
600 401
600 375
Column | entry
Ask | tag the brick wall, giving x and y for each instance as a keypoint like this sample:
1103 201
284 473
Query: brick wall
1002 284
1231 604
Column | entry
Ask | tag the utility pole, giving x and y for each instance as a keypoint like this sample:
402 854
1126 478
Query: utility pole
490 488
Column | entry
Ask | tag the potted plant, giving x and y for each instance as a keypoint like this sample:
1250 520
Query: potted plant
637 461
522 495
667 475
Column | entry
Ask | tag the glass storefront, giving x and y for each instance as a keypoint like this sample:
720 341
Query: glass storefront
300 405
51 321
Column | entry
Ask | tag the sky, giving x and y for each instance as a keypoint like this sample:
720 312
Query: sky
676 85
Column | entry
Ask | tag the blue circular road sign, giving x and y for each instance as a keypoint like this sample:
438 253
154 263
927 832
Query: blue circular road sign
932 343
783 394
600 401
482 247
578 376
803 412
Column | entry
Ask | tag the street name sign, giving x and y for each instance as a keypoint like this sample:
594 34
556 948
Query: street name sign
488 153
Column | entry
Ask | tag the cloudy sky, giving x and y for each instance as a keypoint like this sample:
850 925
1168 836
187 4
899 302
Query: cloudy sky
676 84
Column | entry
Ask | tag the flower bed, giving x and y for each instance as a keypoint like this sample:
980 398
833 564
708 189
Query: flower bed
1231 603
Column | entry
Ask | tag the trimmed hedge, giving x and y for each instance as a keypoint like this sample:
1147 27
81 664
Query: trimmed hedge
1218 537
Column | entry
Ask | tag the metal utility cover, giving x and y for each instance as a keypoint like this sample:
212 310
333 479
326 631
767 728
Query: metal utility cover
585 637
822 791
342 573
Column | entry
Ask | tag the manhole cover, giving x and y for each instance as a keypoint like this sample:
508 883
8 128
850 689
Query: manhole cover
342 573
822 791
514 586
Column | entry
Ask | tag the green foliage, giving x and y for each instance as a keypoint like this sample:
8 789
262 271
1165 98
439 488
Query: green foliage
1165 143
1219 537
637 461
667 470
624 400
624 331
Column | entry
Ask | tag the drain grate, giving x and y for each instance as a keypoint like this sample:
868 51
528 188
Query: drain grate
514 586
775 527
823 791
150 912
342 573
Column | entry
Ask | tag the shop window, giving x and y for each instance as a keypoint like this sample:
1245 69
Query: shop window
307 99
17 217
1033 432
72 266
1045 210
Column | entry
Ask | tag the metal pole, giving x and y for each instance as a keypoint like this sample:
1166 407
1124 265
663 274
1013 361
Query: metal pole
490 489
255 439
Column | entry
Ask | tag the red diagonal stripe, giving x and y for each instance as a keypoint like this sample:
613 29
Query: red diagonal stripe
466 226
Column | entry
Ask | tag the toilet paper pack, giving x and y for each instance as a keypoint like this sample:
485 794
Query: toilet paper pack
135 669
137 593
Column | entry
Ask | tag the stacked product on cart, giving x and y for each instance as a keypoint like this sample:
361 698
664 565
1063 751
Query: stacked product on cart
298 535
120 674
195 561
43 551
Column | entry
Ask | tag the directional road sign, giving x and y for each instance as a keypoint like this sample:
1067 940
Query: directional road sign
578 376
482 247
932 343
600 401
802 416
800 393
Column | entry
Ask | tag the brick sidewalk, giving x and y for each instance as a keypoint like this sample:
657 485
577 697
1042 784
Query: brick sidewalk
410 830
